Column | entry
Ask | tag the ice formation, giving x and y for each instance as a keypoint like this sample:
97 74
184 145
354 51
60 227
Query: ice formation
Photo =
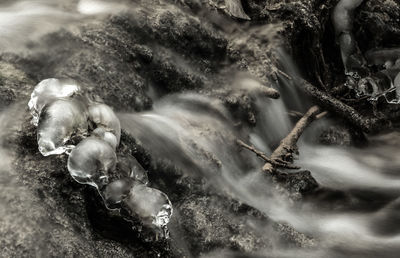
47 91
151 205
106 136
91 161
57 122
235 9
397 81
385 83
116 191
60 110
103 116
343 22
130 167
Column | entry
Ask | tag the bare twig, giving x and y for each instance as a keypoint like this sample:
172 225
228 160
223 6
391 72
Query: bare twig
287 146
284 74
283 155
277 163
321 115
294 113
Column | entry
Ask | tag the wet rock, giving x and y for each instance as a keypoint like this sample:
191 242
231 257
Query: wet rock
207 222
377 24
14 83
341 135
293 237
298 184
7 97
336 136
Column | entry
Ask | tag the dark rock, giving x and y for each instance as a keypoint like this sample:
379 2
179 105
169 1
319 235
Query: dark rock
207 220
341 135
378 24
298 184
335 135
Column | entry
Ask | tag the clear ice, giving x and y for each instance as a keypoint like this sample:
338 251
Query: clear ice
130 167
106 136
343 23
397 81
384 83
116 191
58 121
150 205
60 110
103 116
235 8
46 92
91 161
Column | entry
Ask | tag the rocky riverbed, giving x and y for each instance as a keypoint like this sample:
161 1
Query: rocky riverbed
136 53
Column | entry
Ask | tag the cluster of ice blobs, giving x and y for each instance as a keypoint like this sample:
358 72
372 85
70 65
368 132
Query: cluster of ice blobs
60 114
386 82
60 109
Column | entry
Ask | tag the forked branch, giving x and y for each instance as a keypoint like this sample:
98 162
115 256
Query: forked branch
282 157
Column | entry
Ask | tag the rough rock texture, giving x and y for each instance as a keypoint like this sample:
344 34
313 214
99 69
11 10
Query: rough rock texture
129 59
341 135
297 184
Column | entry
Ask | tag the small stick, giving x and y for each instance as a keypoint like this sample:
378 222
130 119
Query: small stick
288 144
278 163
291 139
295 113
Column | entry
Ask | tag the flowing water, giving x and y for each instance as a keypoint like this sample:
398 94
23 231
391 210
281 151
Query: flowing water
197 134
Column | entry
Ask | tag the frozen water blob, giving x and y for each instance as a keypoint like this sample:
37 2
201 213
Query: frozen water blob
57 122
47 91
128 166
91 162
103 116
151 206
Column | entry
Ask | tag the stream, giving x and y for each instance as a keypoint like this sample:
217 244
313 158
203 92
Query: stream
356 214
